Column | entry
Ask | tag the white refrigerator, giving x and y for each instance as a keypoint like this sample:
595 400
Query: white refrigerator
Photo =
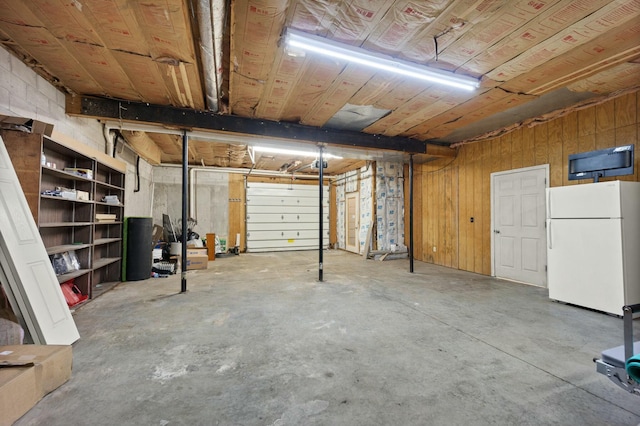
593 245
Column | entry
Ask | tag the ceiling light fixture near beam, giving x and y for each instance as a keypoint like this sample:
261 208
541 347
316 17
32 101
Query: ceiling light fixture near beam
271 150
310 43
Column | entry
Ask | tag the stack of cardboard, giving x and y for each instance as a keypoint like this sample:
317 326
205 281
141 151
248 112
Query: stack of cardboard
28 373
105 217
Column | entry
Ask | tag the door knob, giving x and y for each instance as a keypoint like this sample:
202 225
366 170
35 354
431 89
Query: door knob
496 231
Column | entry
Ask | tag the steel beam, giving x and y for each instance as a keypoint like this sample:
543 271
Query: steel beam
139 112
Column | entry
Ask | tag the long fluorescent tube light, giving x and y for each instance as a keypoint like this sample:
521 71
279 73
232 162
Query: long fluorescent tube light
323 46
292 152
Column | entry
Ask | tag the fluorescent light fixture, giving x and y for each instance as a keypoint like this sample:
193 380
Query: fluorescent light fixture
271 150
323 46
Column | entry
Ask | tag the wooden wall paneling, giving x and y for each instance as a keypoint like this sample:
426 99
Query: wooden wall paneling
569 144
637 156
541 144
424 206
485 218
623 136
25 150
554 134
477 208
586 122
441 178
587 143
455 214
637 95
417 213
471 175
448 223
423 214
433 218
516 149
605 139
439 232
458 192
528 147
237 213
427 218
432 214
496 166
505 152
466 227
461 162
605 116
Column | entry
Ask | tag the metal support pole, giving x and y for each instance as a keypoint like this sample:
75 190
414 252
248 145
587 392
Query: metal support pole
320 214
185 202
411 213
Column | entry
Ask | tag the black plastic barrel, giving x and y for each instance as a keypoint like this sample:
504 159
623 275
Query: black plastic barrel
138 248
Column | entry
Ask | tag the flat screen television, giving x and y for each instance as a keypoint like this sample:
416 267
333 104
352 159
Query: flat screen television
615 161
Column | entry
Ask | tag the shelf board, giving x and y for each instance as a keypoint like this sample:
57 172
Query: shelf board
108 185
52 197
101 203
64 224
66 247
63 174
109 223
101 241
75 274
101 263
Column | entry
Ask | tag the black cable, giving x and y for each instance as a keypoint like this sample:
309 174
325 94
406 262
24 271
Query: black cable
137 188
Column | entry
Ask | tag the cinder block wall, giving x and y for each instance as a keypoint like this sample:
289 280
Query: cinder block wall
24 93
211 199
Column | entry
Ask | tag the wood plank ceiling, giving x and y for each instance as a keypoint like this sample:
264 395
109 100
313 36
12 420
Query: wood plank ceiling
534 58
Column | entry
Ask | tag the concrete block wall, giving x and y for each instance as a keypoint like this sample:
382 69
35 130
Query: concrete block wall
24 93
211 198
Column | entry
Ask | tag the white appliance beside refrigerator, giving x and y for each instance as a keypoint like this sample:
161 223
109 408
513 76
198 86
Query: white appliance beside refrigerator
593 245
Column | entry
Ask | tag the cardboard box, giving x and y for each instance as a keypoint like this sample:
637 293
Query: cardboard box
39 127
53 362
196 252
197 262
30 372
18 392
82 195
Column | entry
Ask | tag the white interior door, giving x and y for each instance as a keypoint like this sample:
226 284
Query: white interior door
26 267
352 224
518 224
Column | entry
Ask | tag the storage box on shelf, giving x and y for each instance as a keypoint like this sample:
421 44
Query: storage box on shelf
68 186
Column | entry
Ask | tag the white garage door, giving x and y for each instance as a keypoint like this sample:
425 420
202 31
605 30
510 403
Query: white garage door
285 217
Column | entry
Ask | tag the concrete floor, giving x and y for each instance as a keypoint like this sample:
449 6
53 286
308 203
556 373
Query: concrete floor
257 340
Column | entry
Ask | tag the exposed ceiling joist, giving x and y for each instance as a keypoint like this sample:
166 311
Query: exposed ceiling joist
139 112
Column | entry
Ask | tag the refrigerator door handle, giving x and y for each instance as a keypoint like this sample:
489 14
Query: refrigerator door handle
549 240
548 204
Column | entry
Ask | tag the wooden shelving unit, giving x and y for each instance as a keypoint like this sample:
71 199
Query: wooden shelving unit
70 225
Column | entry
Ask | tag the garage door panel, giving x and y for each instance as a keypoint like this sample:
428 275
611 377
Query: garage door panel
284 245
284 234
285 201
298 192
252 209
286 226
285 217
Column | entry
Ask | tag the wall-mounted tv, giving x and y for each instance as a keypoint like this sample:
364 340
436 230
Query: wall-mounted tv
616 161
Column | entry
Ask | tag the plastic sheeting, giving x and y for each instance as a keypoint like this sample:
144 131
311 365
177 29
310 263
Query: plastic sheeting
389 205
